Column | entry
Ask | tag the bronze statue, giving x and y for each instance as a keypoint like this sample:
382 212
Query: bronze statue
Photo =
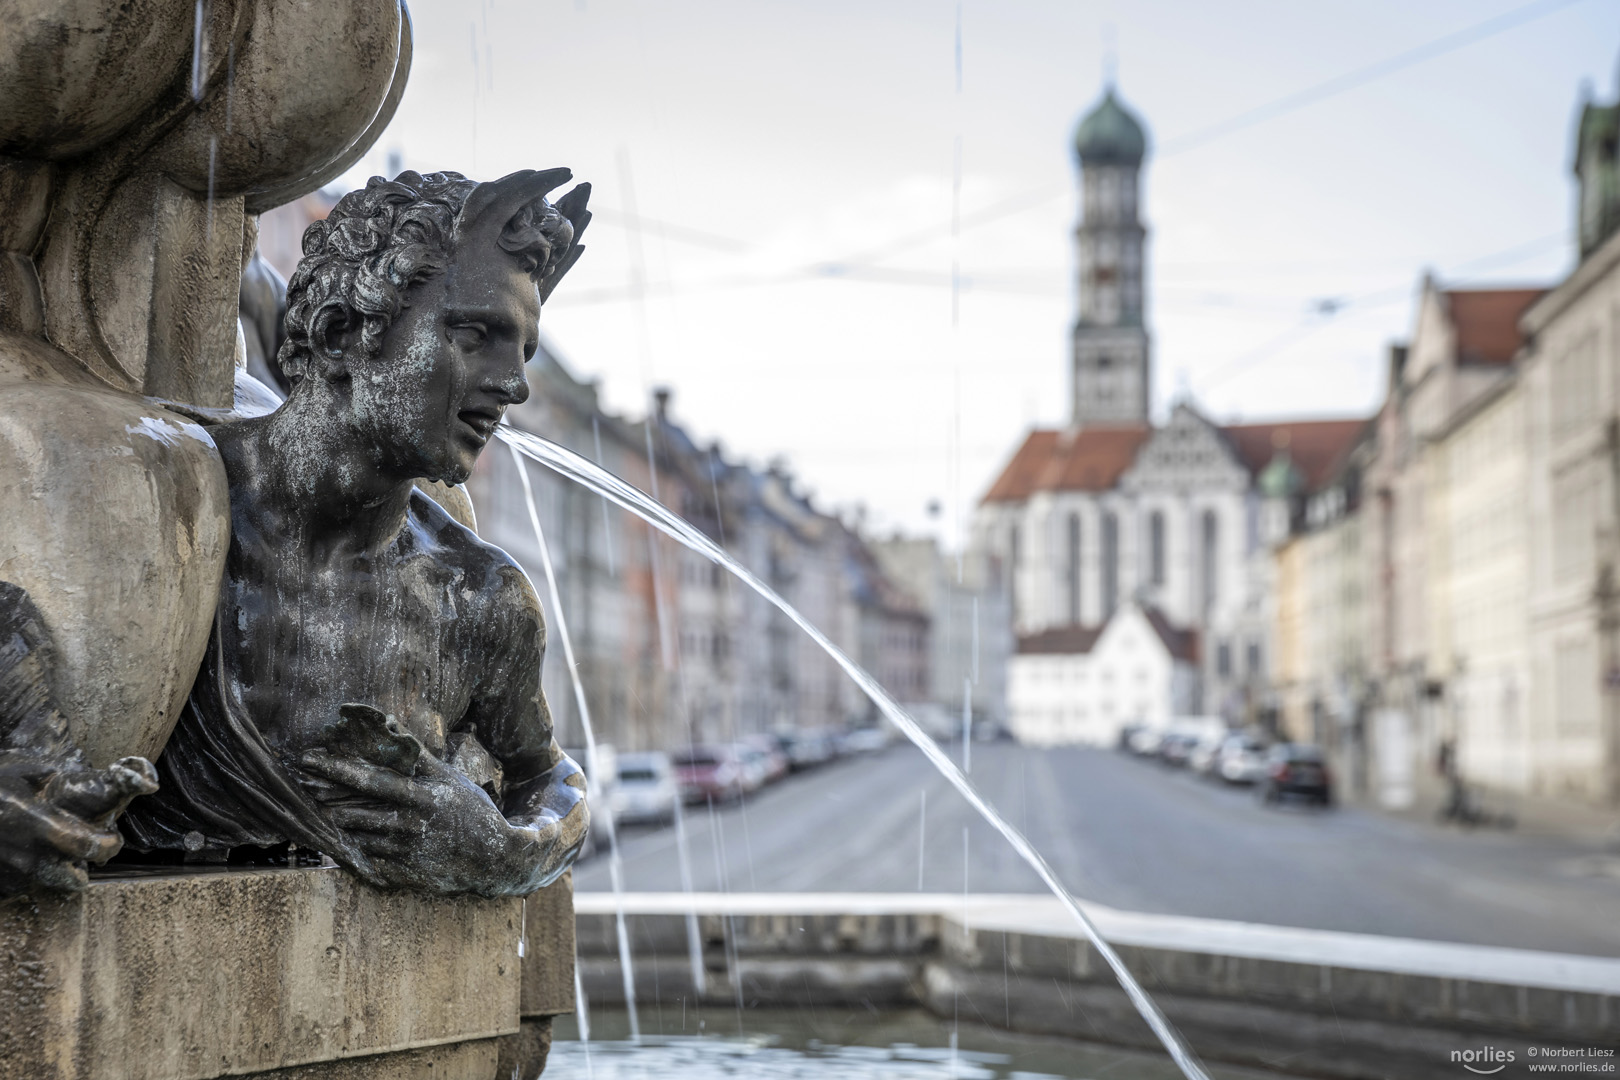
371 689
131 175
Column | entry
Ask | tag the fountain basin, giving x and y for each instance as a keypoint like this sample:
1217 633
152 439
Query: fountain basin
1312 1002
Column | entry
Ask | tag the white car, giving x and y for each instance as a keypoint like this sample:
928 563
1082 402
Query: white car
646 791
867 740
1241 759
599 791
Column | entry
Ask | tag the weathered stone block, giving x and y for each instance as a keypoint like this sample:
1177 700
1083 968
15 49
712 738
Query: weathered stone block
194 976
548 961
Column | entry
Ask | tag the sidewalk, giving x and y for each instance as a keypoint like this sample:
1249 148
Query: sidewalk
1533 815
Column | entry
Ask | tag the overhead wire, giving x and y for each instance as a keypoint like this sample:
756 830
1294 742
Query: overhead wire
861 265
1331 307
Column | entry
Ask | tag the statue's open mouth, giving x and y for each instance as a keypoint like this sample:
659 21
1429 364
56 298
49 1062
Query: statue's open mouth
483 422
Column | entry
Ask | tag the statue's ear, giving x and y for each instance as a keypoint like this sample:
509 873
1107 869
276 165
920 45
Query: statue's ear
332 337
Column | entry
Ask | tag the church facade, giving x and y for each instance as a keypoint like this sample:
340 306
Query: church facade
1113 513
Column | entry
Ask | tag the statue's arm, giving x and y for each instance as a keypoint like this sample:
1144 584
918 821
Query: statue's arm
432 824
543 790
56 812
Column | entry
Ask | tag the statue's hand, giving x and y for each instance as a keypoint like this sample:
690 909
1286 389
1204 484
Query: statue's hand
48 832
435 830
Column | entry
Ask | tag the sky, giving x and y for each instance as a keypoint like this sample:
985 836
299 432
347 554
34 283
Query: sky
775 185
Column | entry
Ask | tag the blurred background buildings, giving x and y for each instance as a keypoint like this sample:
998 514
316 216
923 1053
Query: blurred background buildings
1432 584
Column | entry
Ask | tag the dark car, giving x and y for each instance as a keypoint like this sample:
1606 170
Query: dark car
1297 769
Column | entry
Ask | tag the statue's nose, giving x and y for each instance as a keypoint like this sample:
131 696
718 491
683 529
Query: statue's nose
508 382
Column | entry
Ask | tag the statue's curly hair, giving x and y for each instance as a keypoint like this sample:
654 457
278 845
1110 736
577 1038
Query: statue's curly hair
379 241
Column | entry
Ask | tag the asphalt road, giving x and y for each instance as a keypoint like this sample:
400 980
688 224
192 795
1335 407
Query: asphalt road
1134 835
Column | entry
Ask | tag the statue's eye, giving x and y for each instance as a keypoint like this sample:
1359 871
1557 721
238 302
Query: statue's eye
467 335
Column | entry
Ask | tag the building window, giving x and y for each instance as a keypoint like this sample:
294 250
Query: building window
1012 568
1574 385
1110 561
1156 547
1223 660
1575 497
1074 568
1254 659
1211 556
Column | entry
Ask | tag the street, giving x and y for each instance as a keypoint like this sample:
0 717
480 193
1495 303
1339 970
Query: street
1135 835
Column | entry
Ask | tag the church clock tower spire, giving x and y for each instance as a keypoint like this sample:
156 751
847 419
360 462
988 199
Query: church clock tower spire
1111 366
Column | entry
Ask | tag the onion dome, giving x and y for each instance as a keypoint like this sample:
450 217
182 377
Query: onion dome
1110 135
1281 479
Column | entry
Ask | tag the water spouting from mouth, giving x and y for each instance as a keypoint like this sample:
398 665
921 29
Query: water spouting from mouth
593 776
571 465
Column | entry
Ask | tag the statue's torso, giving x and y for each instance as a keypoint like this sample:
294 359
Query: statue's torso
402 630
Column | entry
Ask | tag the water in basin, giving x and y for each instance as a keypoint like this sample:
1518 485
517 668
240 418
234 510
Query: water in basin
785 1044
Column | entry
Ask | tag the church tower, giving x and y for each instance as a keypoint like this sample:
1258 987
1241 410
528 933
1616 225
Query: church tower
1111 373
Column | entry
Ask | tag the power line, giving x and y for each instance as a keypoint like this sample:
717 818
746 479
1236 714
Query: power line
678 233
859 265
1350 80
1327 308
1288 103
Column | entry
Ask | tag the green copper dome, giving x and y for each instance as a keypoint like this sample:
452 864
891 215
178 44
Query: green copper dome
1110 135
1280 479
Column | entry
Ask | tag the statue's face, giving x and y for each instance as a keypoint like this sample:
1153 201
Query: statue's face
449 366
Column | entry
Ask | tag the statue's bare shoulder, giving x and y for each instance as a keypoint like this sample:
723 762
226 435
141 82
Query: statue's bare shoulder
505 633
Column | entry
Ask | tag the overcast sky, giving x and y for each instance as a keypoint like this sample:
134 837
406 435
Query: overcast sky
792 163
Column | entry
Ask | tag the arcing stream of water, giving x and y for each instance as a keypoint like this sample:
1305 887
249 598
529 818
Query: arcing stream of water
574 467
593 776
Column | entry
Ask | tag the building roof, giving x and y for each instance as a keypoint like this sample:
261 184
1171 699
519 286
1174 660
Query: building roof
1180 644
1090 459
1059 640
1487 322
1110 135
1076 639
1315 447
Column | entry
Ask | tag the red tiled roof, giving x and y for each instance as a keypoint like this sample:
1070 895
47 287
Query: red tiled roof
1180 644
1091 459
1487 322
1058 640
1316 447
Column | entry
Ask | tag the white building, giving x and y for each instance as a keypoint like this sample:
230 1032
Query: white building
1572 384
1073 685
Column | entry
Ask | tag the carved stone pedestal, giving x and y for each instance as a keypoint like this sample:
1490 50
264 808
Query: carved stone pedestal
298 974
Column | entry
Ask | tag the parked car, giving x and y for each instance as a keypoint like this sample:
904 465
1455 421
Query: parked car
599 793
1297 769
806 749
756 766
1144 741
1175 747
1202 757
776 762
647 791
1241 759
868 740
709 772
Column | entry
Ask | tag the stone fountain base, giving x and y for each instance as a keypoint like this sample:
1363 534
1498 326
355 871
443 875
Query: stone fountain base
297 974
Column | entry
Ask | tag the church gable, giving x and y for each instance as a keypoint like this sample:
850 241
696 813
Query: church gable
1187 452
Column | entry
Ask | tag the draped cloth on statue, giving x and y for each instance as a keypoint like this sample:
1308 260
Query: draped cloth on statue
221 786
